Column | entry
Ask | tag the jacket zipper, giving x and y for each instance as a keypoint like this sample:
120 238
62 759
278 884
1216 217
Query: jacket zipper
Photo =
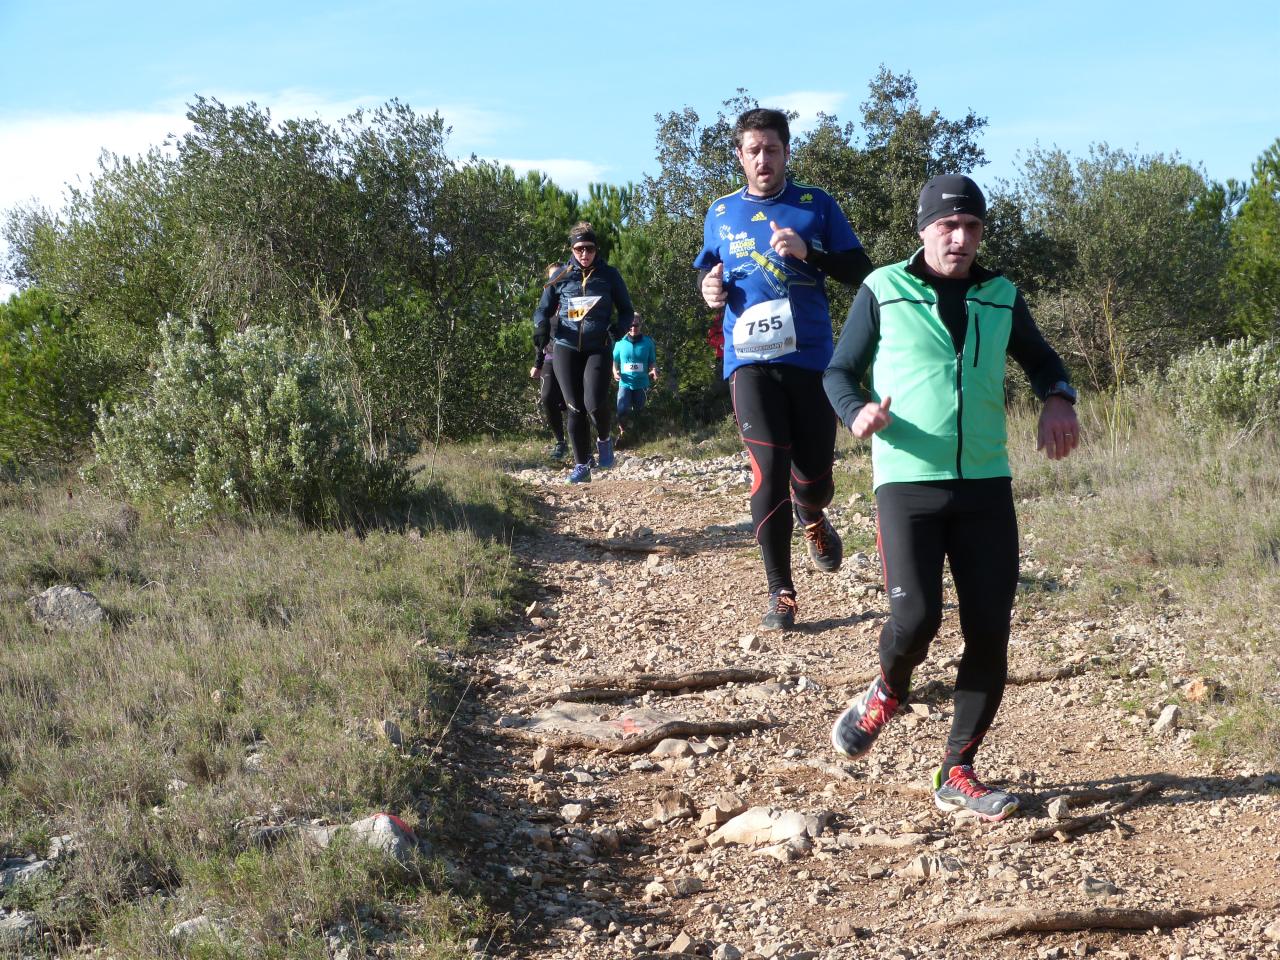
582 321
959 414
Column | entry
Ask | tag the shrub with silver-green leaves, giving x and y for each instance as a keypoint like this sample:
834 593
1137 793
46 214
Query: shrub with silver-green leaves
247 423
1237 382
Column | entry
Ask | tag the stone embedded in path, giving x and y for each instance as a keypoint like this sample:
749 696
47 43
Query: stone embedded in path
67 608
673 804
928 865
674 888
1059 808
1168 720
574 812
672 748
760 825
751 643
544 759
1096 887
596 720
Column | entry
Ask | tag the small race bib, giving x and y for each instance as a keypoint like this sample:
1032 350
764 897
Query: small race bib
633 368
765 331
579 307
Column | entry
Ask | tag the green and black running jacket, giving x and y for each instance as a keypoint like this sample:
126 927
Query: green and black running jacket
948 409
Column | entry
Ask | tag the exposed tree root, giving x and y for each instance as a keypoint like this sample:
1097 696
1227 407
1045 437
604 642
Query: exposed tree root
636 743
617 688
1063 829
637 546
680 729
1002 922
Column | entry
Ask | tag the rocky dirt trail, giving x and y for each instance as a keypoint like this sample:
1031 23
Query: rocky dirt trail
739 833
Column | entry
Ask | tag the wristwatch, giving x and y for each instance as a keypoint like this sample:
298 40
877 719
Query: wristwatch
1064 390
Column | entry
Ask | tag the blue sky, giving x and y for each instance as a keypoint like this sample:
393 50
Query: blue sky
572 89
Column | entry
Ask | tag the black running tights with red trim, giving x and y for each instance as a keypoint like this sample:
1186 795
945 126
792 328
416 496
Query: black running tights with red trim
789 430
584 380
973 525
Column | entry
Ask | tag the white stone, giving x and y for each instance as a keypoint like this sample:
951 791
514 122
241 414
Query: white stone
67 607
198 928
760 825
1168 719
387 833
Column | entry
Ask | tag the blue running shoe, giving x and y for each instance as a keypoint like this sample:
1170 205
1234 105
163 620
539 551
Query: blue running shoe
581 473
964 791
856 729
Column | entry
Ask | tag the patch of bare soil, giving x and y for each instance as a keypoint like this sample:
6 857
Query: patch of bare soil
737 832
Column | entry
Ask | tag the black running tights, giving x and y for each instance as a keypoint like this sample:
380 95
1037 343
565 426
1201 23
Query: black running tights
972 524
789 430
584 380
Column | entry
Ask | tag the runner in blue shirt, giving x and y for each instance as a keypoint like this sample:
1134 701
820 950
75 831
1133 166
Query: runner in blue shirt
635 367
766 253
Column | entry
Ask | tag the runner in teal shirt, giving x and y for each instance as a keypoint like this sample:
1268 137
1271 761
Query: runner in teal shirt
635 360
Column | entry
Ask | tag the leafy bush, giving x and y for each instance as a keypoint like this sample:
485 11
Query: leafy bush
51 375
1237 382
250 423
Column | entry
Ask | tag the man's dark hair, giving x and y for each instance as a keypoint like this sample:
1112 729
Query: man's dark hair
762 118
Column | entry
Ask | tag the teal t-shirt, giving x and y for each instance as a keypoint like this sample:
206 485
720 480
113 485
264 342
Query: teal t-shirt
633 358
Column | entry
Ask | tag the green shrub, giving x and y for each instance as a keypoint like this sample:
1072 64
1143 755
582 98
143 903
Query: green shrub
1237 382
250 423
51 376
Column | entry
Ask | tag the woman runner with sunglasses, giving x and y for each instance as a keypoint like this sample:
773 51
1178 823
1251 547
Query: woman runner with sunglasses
584 296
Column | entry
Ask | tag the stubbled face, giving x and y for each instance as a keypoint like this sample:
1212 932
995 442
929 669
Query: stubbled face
585 254
951 244
764 160
634 333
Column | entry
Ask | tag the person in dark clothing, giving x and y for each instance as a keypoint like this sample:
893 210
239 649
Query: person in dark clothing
920 370
583 298
550 399
767 251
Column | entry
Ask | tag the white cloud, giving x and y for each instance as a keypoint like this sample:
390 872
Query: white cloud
39 156
573 175
808 104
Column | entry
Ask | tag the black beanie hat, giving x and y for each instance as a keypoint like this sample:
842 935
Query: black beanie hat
946 194
582 236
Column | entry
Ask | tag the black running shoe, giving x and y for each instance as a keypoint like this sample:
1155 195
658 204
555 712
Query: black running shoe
782 611
825 548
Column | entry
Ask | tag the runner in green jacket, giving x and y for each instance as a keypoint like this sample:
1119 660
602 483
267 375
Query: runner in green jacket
919 369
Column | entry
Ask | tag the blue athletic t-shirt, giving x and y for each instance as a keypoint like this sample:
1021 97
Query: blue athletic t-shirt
633 358
736 233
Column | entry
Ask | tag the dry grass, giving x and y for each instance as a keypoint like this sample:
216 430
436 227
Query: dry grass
1176 521
237 684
